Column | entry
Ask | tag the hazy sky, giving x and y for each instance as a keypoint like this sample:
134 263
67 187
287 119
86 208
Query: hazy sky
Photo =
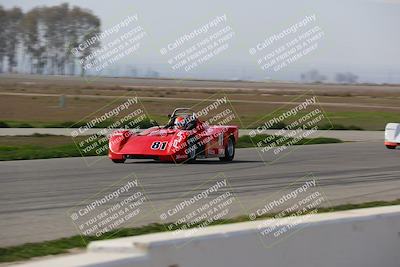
361 36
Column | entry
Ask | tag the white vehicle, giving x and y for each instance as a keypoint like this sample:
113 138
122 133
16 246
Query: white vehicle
392 135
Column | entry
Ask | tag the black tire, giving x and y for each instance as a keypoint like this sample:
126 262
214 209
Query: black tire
229 150
390 147
191 149
118 160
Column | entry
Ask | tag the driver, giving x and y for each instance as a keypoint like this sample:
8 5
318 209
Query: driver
185 122
180 122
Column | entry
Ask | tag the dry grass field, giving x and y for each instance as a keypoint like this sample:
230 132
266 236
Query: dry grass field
34 100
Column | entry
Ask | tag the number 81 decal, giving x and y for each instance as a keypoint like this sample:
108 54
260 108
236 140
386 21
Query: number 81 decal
158 145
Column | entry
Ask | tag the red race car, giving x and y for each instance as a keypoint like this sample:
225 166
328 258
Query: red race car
184 138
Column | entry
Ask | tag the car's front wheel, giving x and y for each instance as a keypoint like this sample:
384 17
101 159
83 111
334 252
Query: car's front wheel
118 160
390 147
229 150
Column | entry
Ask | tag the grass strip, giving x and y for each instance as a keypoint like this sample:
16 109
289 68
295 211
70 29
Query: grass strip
40 146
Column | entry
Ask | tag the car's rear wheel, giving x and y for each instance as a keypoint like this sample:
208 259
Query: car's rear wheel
390 147
118 160
229 150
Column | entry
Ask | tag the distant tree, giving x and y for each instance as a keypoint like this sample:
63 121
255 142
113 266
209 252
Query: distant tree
312 76
340 78
32 27
12 35
3 22
152 73
346 77
133 72
45 36
85 26
55 37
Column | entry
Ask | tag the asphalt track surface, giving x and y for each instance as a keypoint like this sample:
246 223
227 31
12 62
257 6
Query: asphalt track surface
36 194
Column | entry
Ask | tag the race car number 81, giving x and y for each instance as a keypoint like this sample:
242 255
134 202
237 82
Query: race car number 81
157 145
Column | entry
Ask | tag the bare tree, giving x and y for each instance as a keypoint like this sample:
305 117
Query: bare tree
86 26
13 17
346 77
47 35
34 38
3 21
312 76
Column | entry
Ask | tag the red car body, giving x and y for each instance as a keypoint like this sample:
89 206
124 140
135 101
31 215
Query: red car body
169 144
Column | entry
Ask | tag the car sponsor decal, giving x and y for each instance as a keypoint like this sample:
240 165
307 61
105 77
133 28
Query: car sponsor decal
181 156
178 140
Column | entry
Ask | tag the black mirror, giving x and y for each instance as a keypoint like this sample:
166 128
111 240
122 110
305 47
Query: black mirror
169 116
